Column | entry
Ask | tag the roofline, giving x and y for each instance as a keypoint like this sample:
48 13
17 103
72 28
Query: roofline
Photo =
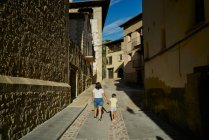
114 42
130 21
77 15
93 3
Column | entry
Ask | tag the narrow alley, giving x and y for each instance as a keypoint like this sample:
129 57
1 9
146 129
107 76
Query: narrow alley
134 123
154 55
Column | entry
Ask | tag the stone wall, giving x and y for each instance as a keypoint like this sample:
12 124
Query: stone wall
24 106
83 68
34 52
33 39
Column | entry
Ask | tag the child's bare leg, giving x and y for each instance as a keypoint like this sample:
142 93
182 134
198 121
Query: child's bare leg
112 115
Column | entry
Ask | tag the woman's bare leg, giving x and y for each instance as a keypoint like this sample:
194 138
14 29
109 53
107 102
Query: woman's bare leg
100 112
95 112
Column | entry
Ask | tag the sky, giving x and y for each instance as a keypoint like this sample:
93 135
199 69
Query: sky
119 12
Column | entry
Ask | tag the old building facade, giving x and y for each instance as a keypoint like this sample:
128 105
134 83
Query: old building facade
41 68
133 51
33 73
176 52
114 59
80 34
98 8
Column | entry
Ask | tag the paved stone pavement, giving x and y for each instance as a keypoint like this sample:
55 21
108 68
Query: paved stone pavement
79 129
76 122
73 130
54 128
132 123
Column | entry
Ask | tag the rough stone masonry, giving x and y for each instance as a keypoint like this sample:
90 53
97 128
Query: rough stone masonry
33 52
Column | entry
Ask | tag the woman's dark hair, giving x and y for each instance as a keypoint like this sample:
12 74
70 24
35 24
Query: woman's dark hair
113 95
98 85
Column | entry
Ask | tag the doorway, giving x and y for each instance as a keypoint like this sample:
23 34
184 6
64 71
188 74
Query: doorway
73 83
204 102
110 73
120 73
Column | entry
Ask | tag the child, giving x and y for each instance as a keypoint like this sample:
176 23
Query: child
113 106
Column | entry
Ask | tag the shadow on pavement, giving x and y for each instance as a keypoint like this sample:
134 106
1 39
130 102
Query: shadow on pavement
136 94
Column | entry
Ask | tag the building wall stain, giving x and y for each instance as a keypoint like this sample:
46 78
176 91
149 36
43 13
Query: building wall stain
177 105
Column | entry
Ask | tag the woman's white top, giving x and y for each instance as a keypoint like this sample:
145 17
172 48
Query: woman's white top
98 93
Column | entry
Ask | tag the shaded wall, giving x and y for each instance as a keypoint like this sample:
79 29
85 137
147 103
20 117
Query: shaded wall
172 85
81 46
173 50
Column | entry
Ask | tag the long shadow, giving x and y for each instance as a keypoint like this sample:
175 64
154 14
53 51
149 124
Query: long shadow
136 94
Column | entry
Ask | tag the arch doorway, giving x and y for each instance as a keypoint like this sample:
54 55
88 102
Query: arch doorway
120 73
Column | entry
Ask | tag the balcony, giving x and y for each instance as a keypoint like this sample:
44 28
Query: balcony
133 44
89 53
89 58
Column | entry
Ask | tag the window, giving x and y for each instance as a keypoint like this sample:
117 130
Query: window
110 73
110 49
163 38
120 57
117 47
199 11
128 38
110 60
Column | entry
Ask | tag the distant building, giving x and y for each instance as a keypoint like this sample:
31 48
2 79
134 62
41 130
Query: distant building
133 51
99 9
104 58
176 50
114 59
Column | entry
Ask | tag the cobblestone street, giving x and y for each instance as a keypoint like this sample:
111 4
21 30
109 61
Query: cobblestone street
131 122
116 130
73 130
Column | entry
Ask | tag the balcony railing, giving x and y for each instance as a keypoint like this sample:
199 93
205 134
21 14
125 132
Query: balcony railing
89 53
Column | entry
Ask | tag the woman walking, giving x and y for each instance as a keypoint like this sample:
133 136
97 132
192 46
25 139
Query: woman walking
98 97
